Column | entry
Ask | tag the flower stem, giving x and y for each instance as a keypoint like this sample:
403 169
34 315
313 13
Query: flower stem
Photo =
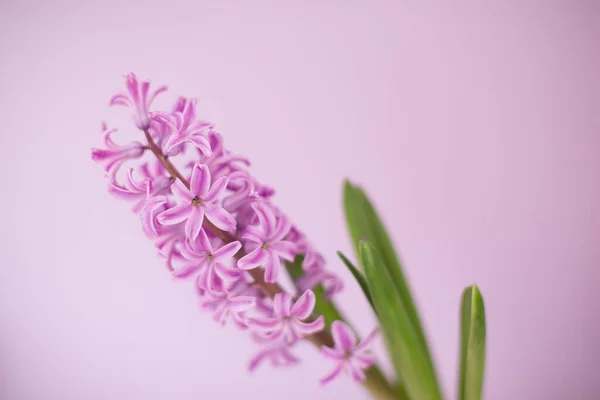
375 382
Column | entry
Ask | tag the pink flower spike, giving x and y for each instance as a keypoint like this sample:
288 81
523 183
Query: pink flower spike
196 202
184 128
348 356
138 98
287 320
268 237
113 156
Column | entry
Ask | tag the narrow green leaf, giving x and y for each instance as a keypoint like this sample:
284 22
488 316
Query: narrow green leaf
410 362
473 332
364 223
358 276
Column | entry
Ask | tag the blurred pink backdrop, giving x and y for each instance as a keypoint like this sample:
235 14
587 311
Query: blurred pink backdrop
474 127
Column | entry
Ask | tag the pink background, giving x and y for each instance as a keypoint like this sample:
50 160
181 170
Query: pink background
475 129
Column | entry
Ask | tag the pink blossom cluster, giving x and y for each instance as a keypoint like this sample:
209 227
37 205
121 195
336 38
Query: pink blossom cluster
216 225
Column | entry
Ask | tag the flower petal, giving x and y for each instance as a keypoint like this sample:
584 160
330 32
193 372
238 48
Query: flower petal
332 353
343 336
227 251
193 225
123 193
189 113
309 328
252 259
304 306
175 215
272 267
186 270
239 320
257 359
174 144
201 143
281 229
220 217
266 217
199 290
202 243
220 315
156 92
357 374
215 190
364 344
362 361
205 278
181 193
284 249
282 304
253 233
333 374
227 273
241 303
148 223
289 332
287 357
265 325
200 182
189 251
120 99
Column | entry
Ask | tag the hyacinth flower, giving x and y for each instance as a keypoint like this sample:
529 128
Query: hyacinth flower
268 241
114 155
139 98
349 356
287 321
221 162
184 128
277 352
139 190
213 263
230 302
198 201
216 224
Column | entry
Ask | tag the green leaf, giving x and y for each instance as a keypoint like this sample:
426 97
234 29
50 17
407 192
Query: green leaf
364 223
410 362
473 330
358 276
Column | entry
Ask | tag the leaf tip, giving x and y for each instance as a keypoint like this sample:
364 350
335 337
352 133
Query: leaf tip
476 291
347 184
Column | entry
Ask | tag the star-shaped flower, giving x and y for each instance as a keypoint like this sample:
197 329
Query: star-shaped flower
267 238
185 128
139 98
288 318
212 262
349 356
114 155
196 202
